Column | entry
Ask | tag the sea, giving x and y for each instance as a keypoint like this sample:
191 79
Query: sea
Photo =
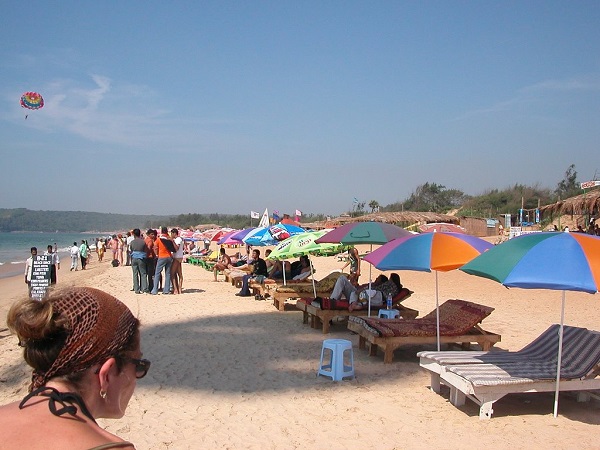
15 248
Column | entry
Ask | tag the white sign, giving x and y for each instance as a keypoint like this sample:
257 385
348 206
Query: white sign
590 184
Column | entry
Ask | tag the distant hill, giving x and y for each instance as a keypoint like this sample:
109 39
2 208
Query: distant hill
22 219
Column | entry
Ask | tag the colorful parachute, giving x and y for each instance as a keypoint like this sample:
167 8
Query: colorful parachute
32 100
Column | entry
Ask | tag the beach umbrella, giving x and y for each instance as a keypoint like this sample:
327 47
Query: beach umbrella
425 252
305 244
272 235
225 239
218 234
239 235
365 233
557 261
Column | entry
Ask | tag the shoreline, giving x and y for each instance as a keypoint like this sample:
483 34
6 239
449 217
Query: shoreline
219 360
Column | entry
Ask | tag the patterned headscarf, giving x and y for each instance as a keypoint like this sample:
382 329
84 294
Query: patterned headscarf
99 326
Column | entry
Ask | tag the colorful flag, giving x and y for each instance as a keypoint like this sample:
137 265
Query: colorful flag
254 215
298 212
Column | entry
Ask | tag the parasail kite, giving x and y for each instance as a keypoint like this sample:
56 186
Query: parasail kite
32 100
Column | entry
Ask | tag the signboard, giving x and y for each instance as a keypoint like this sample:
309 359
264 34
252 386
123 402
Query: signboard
590 184
40 276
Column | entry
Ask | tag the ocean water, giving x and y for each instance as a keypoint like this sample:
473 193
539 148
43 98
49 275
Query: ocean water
15 247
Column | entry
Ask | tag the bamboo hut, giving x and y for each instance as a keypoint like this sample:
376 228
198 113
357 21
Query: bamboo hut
587 203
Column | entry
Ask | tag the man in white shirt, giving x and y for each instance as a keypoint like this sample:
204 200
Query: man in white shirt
74 256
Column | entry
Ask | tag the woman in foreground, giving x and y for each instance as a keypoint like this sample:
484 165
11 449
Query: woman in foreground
84 348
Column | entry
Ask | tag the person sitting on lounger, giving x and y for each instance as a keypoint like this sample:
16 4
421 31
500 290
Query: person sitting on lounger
303 271
378 293
223 262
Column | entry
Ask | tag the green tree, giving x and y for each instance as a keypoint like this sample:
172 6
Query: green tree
374 205
568 187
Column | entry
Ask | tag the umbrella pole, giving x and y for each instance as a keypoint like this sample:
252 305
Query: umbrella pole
283 268
312 277
437 311
560 340
370 267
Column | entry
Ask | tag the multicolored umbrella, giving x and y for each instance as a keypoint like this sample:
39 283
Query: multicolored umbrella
364 233
557 261
426 252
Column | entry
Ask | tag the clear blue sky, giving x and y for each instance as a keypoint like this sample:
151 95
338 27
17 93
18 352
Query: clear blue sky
168 107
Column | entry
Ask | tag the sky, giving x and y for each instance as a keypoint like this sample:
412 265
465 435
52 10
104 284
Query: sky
223 106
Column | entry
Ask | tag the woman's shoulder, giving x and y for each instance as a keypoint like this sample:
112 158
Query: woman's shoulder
55 432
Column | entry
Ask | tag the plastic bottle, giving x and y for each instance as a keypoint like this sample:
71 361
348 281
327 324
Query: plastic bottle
389 301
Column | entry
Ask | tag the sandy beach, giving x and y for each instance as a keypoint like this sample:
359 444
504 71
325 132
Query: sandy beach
231 373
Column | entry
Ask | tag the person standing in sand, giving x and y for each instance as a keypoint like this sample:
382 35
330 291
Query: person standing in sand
73 383
164 262
138 262
29 267
150 257
176 268
74 256
55 265
354 263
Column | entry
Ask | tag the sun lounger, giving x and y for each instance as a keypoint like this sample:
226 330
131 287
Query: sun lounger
485 382
299 289
319 312
544 348
459 321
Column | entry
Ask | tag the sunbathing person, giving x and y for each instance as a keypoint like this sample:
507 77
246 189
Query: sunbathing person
354 294
223 263
304 270
379 292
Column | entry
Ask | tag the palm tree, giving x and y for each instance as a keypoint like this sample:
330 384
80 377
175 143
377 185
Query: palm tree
374 205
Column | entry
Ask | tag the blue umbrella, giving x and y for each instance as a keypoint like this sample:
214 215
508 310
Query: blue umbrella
272 235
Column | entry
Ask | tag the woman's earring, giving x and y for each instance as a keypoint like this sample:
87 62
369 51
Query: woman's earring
103 394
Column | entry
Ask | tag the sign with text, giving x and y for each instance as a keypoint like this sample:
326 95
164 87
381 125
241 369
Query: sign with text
40 276
590 184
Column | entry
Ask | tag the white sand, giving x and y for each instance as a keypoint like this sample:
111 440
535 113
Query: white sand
230 372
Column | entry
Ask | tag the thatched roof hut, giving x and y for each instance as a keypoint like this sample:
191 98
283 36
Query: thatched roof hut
408 217
404 218
580 204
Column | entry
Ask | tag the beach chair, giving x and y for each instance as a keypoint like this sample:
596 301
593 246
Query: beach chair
299 289
459 321
485 383
541 349
319 312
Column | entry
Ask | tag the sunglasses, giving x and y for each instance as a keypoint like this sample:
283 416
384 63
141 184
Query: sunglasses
141 366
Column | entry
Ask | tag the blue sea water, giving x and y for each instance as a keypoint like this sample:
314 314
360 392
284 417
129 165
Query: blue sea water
15 247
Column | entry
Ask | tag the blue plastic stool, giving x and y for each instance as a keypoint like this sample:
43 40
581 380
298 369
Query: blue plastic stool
337 359
389 313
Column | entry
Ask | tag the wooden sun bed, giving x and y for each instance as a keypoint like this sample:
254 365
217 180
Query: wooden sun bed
318 317
458 317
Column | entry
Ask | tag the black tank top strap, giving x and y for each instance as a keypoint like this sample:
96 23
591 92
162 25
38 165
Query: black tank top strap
67 401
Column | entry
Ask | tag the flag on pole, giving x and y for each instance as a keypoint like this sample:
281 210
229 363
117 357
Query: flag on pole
298 212
254 215
264 221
